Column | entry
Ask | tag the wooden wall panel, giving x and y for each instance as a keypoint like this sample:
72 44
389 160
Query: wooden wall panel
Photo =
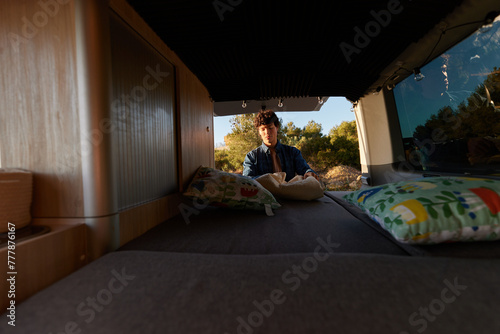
39 126
196 126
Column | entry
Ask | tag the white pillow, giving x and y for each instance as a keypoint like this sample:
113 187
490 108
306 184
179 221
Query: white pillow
297 188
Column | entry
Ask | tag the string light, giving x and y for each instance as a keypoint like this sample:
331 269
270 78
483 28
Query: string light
280 103
320 99
244 104
487 25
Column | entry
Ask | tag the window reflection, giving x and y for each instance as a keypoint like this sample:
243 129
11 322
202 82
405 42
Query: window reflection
450 121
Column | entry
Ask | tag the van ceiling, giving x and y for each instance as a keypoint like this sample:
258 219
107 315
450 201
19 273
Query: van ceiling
262 49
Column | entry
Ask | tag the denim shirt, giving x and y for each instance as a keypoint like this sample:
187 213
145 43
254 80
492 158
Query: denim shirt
259 162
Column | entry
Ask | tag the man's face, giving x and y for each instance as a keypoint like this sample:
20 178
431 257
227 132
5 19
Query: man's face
269 134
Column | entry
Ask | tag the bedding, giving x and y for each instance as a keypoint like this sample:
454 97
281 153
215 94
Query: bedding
161 292
229 190
294 228
433 210
483 249
297 188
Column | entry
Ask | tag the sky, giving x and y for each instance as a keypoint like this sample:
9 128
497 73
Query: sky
332 113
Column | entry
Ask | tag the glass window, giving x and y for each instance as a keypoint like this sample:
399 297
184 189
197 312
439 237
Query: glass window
450 120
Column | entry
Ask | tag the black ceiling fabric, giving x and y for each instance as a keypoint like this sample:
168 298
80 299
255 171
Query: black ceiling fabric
262 49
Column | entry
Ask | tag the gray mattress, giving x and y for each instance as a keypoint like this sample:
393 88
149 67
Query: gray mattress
163 292
315 267
294 228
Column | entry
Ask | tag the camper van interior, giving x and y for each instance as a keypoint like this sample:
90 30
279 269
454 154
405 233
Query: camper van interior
110 204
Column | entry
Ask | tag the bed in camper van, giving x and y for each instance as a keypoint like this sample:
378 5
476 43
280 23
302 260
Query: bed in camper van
110 104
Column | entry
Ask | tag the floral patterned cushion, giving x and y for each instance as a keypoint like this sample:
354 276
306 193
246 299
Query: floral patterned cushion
229 190
435 209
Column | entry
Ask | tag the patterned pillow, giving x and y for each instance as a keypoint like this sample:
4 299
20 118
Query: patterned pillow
435 209
230 190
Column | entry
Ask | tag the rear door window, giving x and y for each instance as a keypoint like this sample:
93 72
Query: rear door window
450 120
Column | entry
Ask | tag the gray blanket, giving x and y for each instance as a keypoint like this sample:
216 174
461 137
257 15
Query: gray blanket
319 292
293 229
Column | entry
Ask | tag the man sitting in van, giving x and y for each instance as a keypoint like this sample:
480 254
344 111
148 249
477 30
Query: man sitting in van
272 156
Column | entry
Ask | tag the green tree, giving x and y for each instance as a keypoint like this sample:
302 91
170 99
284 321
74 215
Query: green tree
290 130
340 147
291 134
242 139
222 161
312 130
345 151
344 144
346 129
315 151
242 124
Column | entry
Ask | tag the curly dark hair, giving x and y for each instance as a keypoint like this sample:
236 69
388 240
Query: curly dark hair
265 117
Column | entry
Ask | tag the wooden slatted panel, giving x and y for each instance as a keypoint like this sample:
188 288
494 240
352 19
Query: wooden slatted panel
142 121
194 107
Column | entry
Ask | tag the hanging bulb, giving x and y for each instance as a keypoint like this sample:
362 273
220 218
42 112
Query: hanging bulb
320 99
377 91
418 75
244 104
280 103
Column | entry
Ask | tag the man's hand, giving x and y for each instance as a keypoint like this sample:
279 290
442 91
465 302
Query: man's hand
306 175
